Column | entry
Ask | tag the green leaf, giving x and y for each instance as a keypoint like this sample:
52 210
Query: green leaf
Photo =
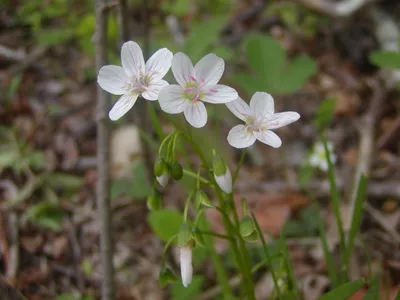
179 292
267 58
324 113
139 187
56 36
64 180
47 215
299 70
202 36
36 160
165 223
224 52
385 59
344 291
374 290
7 158
250 83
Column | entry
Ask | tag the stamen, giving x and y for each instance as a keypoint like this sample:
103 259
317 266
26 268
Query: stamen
213 91
193 79
202 81
195 99
188 90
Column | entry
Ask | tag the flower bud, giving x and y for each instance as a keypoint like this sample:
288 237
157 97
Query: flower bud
160 166
154 200
176 171
163 179
252 238
201 198
197 237
225 181
185 258
246 226
219 166
166 276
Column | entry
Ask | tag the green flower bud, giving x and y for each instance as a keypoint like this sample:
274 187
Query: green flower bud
201 198
160 166
176 171
246 226
184 235
154 200
219 166
252 238
166 276
197 237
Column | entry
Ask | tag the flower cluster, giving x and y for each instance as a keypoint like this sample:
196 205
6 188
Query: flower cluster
196 85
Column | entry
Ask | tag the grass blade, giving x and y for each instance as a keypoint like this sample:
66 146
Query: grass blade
374 290
344 291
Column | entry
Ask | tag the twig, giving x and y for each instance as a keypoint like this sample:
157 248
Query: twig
4 244
103 182
334 9
76 250
13 263
123 22
30 59
11 54
381 220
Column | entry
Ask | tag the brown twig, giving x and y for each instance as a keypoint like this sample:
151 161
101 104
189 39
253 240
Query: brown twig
103 169
123 22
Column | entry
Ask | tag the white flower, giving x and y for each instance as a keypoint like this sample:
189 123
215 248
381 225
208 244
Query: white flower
225 181
318 157
186 265
135 77
163 179
260 119
197 84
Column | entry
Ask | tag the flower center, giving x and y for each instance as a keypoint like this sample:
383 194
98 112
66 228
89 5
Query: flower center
256 123
194 89
138 84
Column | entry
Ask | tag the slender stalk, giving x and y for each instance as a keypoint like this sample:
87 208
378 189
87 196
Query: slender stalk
103 181
239 165
197 176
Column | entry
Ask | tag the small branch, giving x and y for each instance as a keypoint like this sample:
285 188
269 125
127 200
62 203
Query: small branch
334 9
123 22
11 54
103 169
13 263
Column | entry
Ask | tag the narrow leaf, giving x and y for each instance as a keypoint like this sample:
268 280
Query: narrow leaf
344 291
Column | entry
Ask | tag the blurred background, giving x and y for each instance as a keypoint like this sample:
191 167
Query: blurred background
334 62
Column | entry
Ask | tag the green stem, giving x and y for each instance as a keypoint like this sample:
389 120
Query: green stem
166 248
239 165
197 176
185 212
165 141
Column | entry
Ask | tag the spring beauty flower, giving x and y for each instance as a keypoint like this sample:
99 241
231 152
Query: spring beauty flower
185 258
260 119
135 77
222 175
318 157
196 85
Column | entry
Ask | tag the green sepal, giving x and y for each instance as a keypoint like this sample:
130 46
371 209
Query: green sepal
198 237
219 166
166 276
160 166
247 226
252 238
154 200
201 198
184 235
176 171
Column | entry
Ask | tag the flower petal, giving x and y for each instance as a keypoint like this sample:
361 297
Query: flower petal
154 89
210 68
239 108
185 258
225 181
163 179
132 59
218 93
262 104
196 114
268 137
182 68
122 106
171 99
159 63
240 137
112 79
282 119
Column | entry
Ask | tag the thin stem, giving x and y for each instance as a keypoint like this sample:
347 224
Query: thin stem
197 176
239 165
185 212
164 142
166 249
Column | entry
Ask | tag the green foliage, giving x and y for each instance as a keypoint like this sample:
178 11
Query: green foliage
385 59
306 226
46 214
374 289
66 181
344 291
165 223
272 71
72 297
179 292
324 114
202 37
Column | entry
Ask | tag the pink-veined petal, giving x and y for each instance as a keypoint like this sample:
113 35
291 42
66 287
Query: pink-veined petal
171 99
239 108
132 59
112 79
282 119
218 93
268 137
262 104
154 89
159 63
196 114
240 137
210 68
122 106
182 68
